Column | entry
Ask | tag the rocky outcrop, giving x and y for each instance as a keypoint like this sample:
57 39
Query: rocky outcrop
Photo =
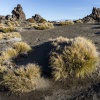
18 13
93 17
37 17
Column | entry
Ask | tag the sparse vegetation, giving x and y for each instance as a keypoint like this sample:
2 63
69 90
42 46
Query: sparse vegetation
21 79
79 21
31 20
9 54
9 35
73 58
7 29
12 23
43 26
62 23
21 47
42 20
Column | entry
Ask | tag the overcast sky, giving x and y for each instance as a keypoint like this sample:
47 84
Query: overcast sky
51 9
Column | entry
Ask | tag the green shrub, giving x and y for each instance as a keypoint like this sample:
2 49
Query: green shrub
75 58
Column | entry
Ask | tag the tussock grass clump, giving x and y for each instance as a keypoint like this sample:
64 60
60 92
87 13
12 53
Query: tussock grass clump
42 20
79 21
21 47
31 20
9 35
62 23
76 58
1 25
22 79
8 54
12 23
7 29
43 26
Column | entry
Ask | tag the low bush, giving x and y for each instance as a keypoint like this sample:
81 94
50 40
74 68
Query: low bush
21 79
75 58
43 26
42 20
9 35
7 29
31 20
21 47
62 23
9 54
79 21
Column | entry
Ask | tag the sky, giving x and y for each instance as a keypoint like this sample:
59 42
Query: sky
51 9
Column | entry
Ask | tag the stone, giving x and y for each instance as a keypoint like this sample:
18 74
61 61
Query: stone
18 14
93 17
37 17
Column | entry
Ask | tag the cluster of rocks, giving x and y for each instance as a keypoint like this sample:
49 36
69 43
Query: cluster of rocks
17 15
93 17
37 17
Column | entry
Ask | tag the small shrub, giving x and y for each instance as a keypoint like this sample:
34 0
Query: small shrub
73 58
42 20
9 35
9 54
66 23
22 79
7 29
21 47
12 35
1 25
31 20
79 21
43 26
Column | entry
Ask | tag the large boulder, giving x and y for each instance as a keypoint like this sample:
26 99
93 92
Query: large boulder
93 17
37 17
18 13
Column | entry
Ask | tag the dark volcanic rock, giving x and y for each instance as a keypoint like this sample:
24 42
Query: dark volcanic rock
18 13
37 17
93 17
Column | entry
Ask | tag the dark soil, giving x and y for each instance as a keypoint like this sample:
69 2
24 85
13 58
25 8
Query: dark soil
88 89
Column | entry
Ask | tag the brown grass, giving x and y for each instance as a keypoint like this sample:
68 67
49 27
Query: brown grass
22 79
73 58
21 47
62 23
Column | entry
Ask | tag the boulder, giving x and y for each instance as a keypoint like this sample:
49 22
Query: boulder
18 14
37 17
93 17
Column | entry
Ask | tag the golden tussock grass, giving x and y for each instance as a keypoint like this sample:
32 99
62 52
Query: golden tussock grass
62 23
8 54
21 47
78 58
22 79
44 25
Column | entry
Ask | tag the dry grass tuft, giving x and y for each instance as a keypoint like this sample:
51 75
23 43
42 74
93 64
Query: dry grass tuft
21 47
31 20
22 79
9 35
79 21
9 54
43 26
73 58
62 23
7 29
